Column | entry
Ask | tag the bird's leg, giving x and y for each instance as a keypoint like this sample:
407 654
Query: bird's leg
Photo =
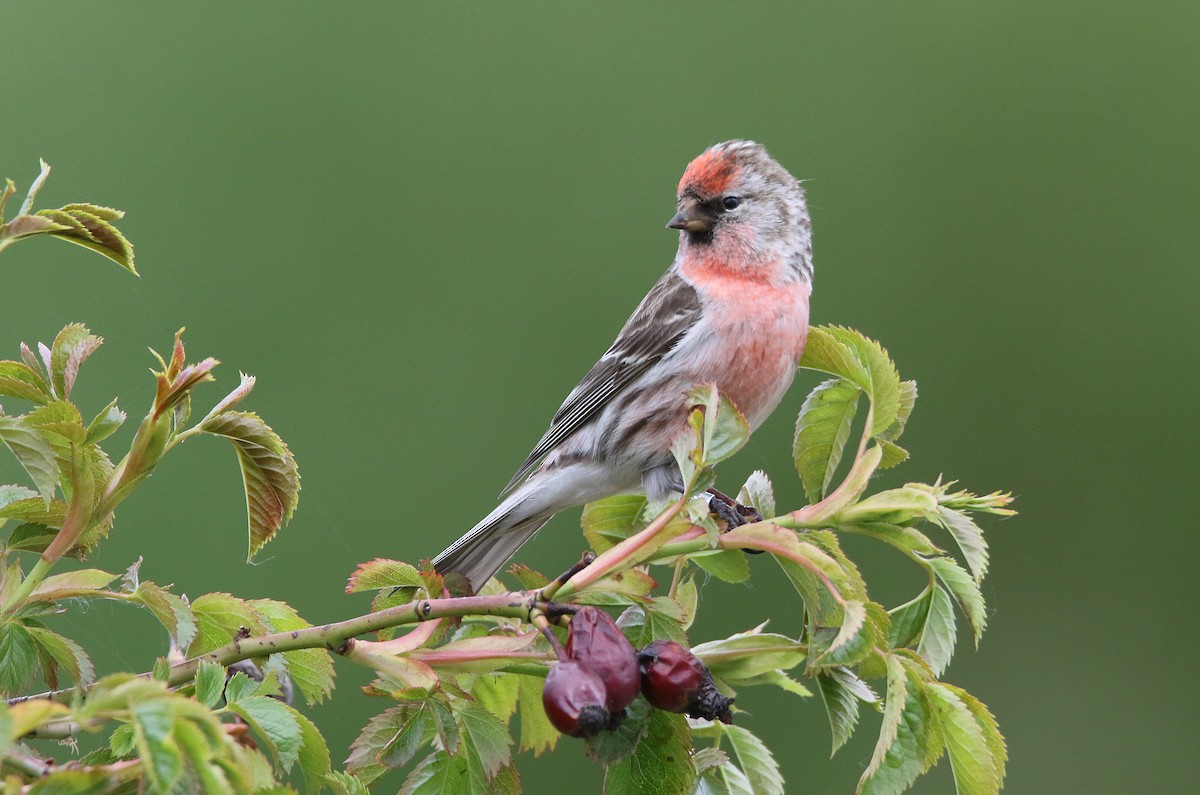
732 512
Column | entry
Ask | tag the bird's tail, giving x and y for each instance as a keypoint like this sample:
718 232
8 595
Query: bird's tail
482 550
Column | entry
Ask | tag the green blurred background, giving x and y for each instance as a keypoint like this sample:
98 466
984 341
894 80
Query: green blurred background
418 226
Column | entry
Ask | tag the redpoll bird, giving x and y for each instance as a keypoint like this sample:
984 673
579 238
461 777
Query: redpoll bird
732 310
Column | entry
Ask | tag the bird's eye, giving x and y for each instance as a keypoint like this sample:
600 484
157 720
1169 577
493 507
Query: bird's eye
731 202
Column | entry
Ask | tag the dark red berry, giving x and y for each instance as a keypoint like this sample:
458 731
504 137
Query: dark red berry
574 698
676 680
595 640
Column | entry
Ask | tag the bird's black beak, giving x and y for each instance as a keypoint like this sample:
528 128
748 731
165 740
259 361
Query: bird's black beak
692 217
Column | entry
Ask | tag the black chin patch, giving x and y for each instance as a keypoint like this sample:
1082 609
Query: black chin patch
704 238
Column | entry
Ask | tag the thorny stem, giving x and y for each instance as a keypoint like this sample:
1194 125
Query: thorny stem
335 636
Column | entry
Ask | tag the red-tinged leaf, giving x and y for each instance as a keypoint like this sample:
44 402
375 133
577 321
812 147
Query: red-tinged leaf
71 347
107 213
269 472
384 573
479 655
101 237
17 380
58 586
390 739
233 398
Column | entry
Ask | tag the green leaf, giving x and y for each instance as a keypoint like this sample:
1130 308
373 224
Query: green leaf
489 739
314 754
241 684
964 590
33 452
939 634
64 652
903 506
970 756
609 521
173 613
758 493
825 352
612 746
390 739
969 537
907 399
276 723
384 573
885 382
728 565
18 657
19 380
987 725
893 454
537 733
105 423
71 347
908 620
661 764
210 683
847 645
439 774
655 621
755 761
269 473
909 739
842 690
54 586
220 618
497 693
345 784
152 721
12 492
749 654
98 235
822 429
778 679
311 670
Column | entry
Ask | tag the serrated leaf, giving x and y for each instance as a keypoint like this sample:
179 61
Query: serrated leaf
390 739
314 754
826 353
965 592
661 764
609 521
489 739
18 657
244 387
12 492
729 565
885 382
906 401
311 670
850 635
749 654
210 683
725 428
758 493
274 722
101 237
269 473
822 429
755 760
908 620
893 454
220 617
609 747
64 652
54 586
969 537
645 623
777 679
909 739
970 756
162 760
345 784
497 693
841 691
172 612
33 452
71 347
537 733
987 725
20 381
940 634
439 774
476 655
384 573
105 423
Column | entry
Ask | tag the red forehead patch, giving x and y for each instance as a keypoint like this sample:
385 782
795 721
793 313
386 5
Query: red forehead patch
709 174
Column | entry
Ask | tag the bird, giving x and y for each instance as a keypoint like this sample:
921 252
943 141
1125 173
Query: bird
732 310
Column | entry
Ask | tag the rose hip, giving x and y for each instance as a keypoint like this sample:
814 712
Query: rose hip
574 699
675 680
595 640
